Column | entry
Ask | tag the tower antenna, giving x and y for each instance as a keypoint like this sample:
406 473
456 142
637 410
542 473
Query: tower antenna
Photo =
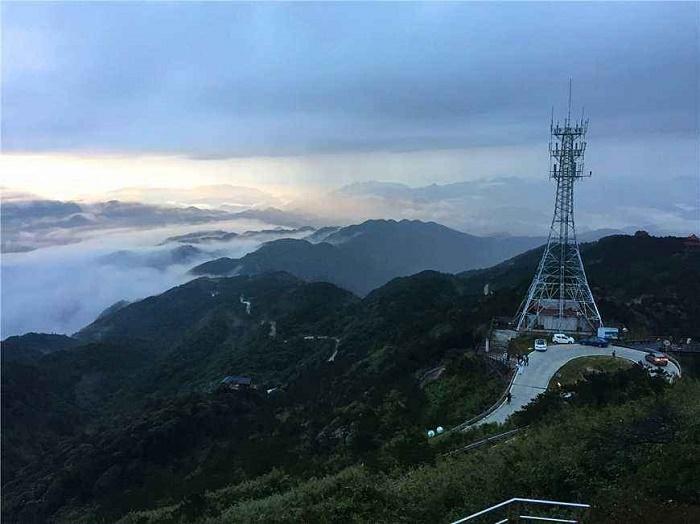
568 115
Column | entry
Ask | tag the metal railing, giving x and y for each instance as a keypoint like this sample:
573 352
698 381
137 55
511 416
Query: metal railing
520 510
484 441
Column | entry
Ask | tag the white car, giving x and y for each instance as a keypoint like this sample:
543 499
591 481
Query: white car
540 344
560 338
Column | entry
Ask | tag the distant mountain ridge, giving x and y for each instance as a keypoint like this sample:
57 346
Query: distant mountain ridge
183 254
32 346
364 256
218 235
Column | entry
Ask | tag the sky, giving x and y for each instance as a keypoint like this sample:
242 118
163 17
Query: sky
99 96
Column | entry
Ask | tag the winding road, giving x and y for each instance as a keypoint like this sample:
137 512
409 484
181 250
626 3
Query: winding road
325 337
533 379
247 304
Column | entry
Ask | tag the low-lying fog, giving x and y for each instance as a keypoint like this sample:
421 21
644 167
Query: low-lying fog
63 288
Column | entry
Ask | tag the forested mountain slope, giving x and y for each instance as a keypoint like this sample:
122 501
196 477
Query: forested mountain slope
130 414
143 417
365 256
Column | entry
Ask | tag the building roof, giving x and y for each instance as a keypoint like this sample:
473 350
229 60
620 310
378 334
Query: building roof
692 241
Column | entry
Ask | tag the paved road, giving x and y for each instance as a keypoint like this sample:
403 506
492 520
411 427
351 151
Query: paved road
533 379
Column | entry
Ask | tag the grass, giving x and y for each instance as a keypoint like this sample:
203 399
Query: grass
577 369
464 389
522 345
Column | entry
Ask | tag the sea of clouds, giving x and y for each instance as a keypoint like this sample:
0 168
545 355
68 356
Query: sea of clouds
60 289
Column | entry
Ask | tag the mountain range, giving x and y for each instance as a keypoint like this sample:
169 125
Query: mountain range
362 257
130 413
218 235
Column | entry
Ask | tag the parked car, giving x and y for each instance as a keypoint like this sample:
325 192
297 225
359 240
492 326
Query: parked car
595 341
657 358
561 338
540 344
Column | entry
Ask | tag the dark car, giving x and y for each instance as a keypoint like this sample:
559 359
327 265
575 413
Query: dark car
657 358
595 341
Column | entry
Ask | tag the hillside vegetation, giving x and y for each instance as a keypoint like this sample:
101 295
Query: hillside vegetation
625 443
129 420
135 415
649 284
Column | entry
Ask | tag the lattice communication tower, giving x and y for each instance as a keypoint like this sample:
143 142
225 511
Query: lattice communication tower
559 298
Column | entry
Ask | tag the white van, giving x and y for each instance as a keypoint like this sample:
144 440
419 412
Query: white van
608 333
561 338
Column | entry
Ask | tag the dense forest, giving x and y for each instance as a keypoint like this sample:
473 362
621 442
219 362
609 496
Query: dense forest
128 420
626 443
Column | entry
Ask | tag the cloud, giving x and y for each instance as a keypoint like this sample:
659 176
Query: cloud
237 80
211 196
61 289
521 206
61 293
35 223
